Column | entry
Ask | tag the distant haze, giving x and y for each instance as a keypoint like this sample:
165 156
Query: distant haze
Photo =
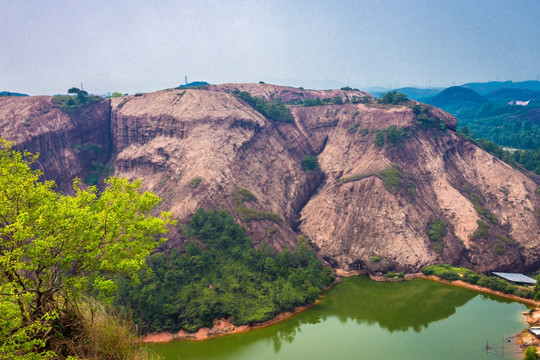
129 46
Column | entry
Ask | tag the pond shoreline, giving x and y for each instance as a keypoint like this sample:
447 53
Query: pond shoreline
524 338
221 327
466 285
225 327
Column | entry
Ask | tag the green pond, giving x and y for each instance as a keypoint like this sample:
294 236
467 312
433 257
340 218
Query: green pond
362 319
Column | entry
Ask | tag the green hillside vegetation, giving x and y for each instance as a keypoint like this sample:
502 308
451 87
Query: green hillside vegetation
529 159
57 249
504 96
77 99
11 93
450 273
456 98
201 85
221 275
511 126
276 111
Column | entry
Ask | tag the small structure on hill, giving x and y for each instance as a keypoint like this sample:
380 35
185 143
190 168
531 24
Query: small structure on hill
535 330
518 279
520 103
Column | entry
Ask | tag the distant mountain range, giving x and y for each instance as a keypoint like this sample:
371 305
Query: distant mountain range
486 88
456 98
9 93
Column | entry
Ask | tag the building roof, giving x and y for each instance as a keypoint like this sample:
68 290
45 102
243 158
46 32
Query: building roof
517 278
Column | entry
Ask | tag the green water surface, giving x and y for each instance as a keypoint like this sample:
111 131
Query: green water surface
362 319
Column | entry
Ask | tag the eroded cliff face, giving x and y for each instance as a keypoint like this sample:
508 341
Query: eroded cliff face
367 207
67 143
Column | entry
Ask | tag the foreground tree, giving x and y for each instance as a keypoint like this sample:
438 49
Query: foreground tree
55 248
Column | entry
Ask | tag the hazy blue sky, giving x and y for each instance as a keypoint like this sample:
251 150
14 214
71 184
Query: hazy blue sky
48 46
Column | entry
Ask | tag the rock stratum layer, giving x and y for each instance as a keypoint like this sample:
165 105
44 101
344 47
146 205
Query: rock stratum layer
386 172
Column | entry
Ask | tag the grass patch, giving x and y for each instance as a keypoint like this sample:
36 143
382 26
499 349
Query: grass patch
242 195
436 232
506 239
394 275
482 211
71 103
391 179
481 231
498 248
411 191
357 177
354 127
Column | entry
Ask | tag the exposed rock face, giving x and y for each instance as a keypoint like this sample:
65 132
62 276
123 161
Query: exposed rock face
367 207
68 143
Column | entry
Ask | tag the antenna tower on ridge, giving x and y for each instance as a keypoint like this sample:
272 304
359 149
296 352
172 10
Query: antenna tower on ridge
185 79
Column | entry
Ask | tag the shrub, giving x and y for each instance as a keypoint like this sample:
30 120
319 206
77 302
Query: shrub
242 195
194 183
276 111
482 211
394 275
312 102
481 231
471 278
411 191
498 248
443 271
354 127
390 136
375 258
436 230
336 100
310 163
391 179
530 353
392 97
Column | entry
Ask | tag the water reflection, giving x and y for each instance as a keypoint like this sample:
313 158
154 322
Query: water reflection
396 307
401 307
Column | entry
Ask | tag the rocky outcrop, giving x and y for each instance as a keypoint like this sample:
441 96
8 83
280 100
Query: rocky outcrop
68 143
368 206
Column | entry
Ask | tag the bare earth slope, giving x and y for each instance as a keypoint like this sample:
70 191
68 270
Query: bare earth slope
367 206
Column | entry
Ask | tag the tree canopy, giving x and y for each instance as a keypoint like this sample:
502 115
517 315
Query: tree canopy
54 248
221 275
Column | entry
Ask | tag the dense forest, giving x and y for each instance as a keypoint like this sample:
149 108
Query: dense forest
528 159
221 275
510 126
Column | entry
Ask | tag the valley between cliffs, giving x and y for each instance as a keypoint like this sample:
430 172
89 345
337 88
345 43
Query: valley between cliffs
385 172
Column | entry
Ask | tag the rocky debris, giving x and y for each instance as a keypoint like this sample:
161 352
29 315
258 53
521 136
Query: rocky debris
385 172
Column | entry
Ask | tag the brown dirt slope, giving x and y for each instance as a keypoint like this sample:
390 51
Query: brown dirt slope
367 206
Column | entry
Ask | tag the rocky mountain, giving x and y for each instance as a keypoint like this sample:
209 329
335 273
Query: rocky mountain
388 176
